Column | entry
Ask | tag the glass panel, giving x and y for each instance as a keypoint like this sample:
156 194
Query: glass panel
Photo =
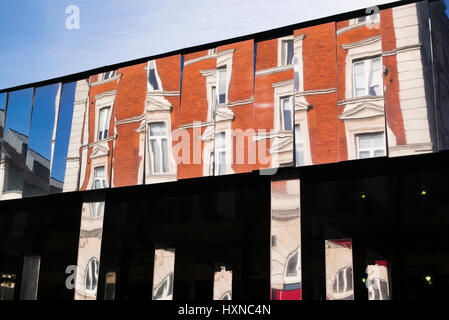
339 278
7 284
109 288
3 99
286 247
67 141
360 98
223 284
164 155
30 278
89 250
163 275
287 113
152 76
289 52
315 100
15 143
408 80
272 83
377 281
40 148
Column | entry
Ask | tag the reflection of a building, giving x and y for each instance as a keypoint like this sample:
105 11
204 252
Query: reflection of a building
361 87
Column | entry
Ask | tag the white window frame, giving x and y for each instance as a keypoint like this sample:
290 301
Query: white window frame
281 104
370 150
367 63
346 282
214 102
158 140
103 128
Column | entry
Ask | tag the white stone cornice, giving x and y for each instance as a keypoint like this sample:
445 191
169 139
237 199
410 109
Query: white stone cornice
208 134
363 111
402 49
130 120
163 93
197 124
105 94
240 102
209 56
283 83
361 43
361 100
315 92
274 70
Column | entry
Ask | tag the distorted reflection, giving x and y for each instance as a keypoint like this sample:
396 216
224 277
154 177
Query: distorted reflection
109 288
15 143
285 240
60 145
89 251
439 17
163 274
339 274
223 284
315 107
361 127
3 99
30 278
408 80
7 284
377 281
41 142
274 102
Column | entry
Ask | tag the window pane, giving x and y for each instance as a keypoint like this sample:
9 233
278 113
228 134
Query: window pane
157 129
363 154
375 79
99 172
379 153
222 85
222 163
299 148
365 141
291 265
156 156
287 113
164 155
289 55
220 140
359 79
378 139
152 79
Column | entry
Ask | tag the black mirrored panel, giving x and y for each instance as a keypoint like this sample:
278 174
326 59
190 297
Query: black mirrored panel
65 132
3 100
30 278
15 143
40 147
439 13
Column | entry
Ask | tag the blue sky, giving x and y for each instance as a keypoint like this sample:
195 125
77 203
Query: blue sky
37 46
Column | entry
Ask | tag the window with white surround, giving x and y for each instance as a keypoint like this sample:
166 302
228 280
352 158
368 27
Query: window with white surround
299 146
343 282
287 113
152 77
108 74
222 85
103 123
91 278
99 178
368 77
158 141
292 273
96 209
220 153
287 52
165 289
370 145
